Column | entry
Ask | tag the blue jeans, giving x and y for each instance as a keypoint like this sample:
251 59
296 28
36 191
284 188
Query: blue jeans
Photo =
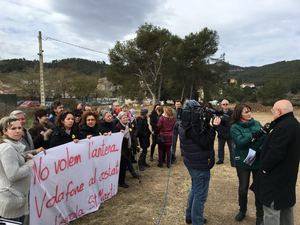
198 195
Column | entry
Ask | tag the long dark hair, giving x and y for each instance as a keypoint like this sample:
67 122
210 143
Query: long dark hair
237 112
154 107
39 114
61 118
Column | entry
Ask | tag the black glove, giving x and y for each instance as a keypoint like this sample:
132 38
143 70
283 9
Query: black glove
257 135
266 128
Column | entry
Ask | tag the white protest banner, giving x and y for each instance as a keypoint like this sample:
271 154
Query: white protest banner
73 179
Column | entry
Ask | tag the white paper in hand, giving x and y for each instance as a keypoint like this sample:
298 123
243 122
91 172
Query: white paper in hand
250 157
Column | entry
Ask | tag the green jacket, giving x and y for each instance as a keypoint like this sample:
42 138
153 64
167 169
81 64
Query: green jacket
241 134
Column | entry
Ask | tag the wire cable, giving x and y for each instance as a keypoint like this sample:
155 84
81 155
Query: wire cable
74 45
163 208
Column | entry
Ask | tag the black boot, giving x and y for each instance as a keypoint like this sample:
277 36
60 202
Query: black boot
124 185
240 216
189 221
173 159
141 166
259 221
146 164
143 161
135 175
259 215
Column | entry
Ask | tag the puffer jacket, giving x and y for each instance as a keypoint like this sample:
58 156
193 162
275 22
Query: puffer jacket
196 156
242 136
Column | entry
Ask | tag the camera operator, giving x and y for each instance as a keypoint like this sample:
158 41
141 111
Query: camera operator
279 166
224 133
196 137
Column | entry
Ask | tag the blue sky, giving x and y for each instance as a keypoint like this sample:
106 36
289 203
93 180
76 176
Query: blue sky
252 32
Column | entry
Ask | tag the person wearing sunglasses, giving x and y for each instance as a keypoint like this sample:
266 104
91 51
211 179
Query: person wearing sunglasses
224 133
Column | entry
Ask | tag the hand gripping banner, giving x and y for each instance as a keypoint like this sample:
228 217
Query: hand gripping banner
73 179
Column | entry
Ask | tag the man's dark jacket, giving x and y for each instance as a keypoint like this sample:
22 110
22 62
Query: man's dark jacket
280 162
195 155
224 127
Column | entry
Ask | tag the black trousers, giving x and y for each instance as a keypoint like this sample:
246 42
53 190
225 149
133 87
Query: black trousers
154 143
123 167
244 180
221 145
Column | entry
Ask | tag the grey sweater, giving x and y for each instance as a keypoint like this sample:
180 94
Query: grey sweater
14 180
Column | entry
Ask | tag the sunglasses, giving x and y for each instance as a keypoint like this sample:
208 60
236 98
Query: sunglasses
224 104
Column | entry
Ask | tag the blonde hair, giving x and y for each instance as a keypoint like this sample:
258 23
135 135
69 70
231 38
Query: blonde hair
168 111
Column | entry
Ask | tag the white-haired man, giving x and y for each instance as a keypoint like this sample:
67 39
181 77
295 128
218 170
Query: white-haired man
279 166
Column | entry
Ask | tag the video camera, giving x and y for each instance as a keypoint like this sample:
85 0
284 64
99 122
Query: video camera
197 117
195 120
217 113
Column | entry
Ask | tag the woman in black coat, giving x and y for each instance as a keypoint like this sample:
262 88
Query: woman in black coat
64 131
41 129
89 126
143 134
106 124
154 117
122 126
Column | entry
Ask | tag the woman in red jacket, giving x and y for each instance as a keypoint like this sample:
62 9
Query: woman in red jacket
165 127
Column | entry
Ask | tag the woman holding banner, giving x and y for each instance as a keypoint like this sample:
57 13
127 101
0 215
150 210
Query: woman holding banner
106 124
64 131
15 170
89 126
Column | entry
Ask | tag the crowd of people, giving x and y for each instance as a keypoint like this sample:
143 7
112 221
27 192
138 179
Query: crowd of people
60 126
273 163
270 153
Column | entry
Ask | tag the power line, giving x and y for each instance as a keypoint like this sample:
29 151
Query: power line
166 194
74 45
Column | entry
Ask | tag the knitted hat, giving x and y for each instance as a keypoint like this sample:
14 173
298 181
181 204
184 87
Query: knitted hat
121 114
132 111
103 113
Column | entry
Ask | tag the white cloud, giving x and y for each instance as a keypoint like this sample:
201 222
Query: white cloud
252 32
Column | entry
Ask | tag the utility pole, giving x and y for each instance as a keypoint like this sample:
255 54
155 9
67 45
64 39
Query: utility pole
42 86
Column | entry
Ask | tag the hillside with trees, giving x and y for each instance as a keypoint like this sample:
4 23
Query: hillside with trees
63 78
286 70
272 81
155 64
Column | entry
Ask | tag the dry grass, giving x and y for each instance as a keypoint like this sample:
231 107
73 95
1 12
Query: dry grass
140 203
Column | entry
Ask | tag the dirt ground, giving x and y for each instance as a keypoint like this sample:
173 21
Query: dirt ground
140 204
